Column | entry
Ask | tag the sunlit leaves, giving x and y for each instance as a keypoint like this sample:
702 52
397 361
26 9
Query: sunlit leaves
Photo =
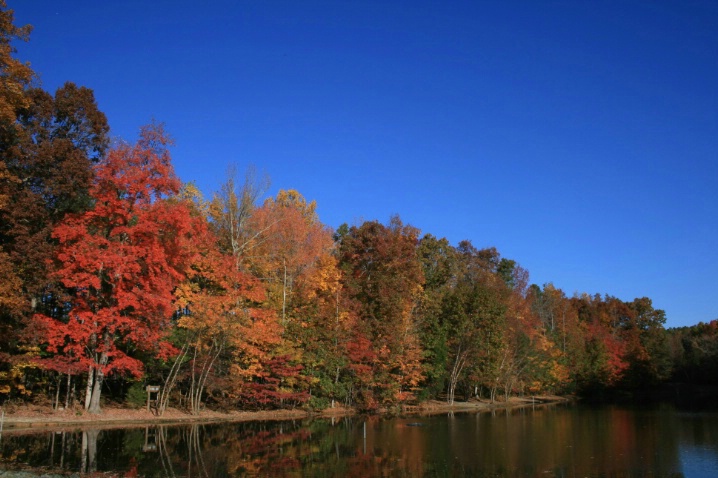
121 260
16 75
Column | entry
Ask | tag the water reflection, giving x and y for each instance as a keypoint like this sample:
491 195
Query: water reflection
551 441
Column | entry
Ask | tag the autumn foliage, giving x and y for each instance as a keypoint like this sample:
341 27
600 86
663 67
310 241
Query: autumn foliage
119 263
114 272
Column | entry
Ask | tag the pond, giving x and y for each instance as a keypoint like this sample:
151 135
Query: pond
564 440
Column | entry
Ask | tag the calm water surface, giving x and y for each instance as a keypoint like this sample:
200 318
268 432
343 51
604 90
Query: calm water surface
562 441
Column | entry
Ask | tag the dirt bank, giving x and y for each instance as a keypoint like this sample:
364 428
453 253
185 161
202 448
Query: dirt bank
29 417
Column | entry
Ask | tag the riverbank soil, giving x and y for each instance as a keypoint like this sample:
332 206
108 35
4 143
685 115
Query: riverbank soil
24 417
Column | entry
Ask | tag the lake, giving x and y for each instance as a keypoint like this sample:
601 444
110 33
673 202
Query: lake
565 440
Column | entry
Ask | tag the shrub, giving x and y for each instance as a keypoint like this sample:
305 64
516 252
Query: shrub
136 396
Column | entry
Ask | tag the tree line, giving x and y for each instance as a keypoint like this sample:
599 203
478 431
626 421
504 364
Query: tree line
114 274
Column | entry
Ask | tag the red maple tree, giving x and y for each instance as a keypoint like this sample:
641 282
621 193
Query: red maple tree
120 262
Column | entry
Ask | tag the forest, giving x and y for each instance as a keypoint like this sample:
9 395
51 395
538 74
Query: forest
115 275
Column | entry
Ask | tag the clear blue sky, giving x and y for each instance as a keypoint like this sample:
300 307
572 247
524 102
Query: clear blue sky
579 138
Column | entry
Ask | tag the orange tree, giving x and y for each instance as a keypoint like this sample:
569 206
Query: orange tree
225 324
291 251
383 279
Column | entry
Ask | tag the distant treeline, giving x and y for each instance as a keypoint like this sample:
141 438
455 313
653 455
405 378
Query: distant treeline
115 275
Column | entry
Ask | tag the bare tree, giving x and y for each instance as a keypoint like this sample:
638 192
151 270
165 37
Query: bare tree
233 205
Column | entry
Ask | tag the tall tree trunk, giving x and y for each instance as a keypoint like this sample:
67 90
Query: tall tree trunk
284 294
171 379
67 393
96 391
57 392
198 384
193 384
97 387
88 389
456 370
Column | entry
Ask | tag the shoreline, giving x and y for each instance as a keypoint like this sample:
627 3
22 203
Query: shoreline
30 419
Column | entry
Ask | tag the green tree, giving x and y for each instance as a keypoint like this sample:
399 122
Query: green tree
648 348
439 264
694 353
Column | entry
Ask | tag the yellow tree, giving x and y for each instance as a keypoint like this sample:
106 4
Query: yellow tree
16 75
292 252
288 247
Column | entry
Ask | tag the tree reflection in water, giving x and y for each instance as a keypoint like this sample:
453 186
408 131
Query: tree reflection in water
553 441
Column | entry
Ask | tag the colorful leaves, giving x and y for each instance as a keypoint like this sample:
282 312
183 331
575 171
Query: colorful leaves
121 260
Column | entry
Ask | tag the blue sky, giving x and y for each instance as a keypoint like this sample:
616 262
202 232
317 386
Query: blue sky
579 138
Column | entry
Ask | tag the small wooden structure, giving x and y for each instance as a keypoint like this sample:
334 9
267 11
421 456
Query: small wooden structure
153 403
